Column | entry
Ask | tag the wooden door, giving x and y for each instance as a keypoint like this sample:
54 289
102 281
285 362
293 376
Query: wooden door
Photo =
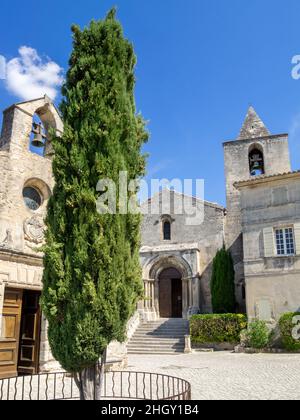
170 293
9 343
30 334
165 293
176 298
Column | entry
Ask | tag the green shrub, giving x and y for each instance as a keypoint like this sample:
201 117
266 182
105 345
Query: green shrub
224 328
287 326
258 335
222 283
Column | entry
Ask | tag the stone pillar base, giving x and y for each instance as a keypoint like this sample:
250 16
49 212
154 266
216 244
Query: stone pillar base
148 315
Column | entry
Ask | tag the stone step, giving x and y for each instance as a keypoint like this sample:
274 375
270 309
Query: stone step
165 336
183 330
155 344
160 334
153 352
163 326
167 340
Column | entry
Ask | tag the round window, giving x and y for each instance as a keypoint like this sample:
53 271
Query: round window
32 198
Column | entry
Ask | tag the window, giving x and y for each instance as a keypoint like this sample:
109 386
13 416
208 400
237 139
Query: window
285 243
32 198
167 230
256 162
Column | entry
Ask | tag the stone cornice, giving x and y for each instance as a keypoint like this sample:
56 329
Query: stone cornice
265 178
170 248
255 139
20 257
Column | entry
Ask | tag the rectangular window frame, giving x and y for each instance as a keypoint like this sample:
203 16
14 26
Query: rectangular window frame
284 239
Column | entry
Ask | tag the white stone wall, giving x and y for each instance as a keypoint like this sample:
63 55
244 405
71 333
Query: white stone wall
272 283
236 158
117 352
193 246
270 296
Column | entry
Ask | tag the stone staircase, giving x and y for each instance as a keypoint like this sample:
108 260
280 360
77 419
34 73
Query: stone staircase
165 336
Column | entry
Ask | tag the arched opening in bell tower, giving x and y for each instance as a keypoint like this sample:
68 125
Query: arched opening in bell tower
256 160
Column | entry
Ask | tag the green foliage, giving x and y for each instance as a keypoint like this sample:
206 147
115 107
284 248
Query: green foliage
92 276
287 326
222 283
258 335
223 328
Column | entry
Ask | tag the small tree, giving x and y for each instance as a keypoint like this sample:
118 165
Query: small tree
222 283
92 275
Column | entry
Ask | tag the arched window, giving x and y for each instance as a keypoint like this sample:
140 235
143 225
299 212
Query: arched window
167 230
256 162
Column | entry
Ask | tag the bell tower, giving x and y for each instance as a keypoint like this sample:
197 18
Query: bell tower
26 176
255 152
25 188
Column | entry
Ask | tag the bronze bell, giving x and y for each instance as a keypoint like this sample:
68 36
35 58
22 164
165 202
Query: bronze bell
39 137
256 165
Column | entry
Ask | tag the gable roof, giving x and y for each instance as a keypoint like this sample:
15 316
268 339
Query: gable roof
206 203
253 126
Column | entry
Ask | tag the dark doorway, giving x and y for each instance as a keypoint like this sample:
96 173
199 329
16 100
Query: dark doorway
21 325
30 334
170 294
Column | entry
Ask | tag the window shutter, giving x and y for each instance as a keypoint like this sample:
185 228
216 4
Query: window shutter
297 237
269 241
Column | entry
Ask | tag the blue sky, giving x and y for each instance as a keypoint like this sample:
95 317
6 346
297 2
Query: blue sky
200 64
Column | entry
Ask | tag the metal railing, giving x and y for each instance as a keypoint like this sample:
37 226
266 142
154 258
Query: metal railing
119 385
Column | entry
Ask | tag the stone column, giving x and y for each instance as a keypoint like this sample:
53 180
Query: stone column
185 298
156 297
191 297
47 361
147 295
195 295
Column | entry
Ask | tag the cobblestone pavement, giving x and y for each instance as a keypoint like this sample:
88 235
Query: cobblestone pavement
229 376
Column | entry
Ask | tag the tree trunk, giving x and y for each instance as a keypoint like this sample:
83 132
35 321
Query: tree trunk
90 380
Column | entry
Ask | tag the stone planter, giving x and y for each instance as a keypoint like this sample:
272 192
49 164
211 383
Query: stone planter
249 350
213 346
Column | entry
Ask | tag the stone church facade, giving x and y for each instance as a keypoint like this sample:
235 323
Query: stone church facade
261 227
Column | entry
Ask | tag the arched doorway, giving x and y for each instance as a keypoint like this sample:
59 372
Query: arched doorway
170 293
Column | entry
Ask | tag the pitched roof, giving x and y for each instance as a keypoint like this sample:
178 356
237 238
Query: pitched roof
207 203
266 178
253 126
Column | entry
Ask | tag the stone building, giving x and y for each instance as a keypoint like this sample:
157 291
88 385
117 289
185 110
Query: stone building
26 184
261 227
177 257
263 219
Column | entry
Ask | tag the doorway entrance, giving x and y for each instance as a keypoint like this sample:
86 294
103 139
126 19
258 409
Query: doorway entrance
170 293
21 325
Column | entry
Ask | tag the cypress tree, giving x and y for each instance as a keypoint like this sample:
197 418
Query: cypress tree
222 283
92 276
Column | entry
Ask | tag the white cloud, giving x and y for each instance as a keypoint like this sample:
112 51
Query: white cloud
29 76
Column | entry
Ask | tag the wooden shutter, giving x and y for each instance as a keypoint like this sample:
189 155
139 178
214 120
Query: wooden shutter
297 237
269 242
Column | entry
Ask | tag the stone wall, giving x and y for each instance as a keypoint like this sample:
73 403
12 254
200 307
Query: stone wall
191 248
21 229
272 282
236 155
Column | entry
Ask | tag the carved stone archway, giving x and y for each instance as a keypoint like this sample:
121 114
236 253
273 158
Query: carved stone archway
150 306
